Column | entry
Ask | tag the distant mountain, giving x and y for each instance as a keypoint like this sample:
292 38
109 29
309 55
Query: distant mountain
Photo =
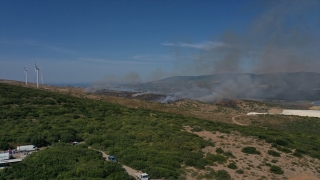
274 86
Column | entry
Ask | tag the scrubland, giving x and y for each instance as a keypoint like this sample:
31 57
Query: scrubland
186 139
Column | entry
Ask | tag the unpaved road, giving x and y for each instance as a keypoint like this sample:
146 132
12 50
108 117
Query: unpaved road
236 122
129 170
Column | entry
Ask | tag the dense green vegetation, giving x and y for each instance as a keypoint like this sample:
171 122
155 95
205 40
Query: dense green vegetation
294 124
64 161
155 144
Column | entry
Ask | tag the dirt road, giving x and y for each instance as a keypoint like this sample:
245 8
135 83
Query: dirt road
236 122
129 170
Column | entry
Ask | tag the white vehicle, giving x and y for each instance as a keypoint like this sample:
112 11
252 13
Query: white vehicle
4 156
141 176
27 148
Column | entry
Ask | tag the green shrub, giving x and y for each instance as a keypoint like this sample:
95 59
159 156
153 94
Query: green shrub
276 169
4 145
274 145
250 150
316 155
281 142
216 158
229 154
219 151
268 164
302 151
283 149
200 163
223 175
297 154
239 171
273 153
190 162
232 165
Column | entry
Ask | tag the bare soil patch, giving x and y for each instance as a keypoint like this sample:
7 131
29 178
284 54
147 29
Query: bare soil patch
315 108
275 111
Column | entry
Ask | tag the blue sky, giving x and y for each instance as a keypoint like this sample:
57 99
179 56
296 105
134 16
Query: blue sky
79 41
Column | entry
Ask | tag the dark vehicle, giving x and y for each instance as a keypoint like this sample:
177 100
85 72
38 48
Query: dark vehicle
112 158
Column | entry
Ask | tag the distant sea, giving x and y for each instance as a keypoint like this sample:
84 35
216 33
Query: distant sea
317 103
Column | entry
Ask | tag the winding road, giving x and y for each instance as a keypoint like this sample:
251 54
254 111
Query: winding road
236 122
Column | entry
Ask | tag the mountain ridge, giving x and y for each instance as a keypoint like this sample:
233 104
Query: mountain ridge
291 86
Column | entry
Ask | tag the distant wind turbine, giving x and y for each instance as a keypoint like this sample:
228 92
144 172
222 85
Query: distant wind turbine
42 78
37 71
26 71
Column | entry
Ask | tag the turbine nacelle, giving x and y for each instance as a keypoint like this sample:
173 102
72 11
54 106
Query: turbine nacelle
37 68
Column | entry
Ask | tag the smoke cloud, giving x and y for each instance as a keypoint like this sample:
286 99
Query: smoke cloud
283 38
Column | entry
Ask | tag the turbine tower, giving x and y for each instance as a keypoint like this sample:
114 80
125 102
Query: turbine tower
37 71
26 71
42 78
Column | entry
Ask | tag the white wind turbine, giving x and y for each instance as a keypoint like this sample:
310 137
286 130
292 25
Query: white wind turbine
37 71
26 72
42 78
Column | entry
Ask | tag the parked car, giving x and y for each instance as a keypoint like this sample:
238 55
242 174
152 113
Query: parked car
112 158
75 143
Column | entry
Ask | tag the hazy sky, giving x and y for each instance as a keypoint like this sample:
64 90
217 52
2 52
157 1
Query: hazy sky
77 41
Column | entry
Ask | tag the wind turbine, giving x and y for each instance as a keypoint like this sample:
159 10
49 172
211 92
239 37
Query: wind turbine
26 71
37 71
42 78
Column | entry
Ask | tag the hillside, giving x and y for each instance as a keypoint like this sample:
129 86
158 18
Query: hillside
166 145
221 111
295 86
